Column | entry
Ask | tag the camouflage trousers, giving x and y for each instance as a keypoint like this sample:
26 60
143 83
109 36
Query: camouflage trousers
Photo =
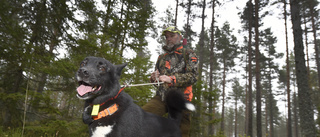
158 107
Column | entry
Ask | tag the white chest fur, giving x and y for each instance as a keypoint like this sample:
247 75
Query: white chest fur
102 131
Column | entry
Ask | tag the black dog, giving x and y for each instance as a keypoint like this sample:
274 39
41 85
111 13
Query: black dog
111 112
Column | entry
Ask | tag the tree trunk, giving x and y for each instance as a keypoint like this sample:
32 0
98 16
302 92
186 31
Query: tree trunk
271 131
176 16
267 114
198 93
257 58
289 127
295 115
223 95
250 103
270 101
201 43
305 104
117 37
211 102
246 105
188 32
107 17
306 41
236 116
316 48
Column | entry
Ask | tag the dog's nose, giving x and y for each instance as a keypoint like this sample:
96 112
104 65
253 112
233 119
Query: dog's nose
83 71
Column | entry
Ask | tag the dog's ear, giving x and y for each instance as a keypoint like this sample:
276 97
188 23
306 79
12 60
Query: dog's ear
120 67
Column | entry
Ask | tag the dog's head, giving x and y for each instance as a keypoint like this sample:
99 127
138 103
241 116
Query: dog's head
97 76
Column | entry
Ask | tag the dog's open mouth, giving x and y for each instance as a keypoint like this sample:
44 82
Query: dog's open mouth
85 88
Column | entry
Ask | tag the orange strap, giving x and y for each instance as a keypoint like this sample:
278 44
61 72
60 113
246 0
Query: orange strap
114 96
107 112
117 94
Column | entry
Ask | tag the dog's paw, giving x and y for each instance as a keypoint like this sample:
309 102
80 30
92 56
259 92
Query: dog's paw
87 120
86 115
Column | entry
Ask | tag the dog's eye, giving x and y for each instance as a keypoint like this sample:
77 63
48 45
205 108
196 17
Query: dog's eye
82 64
102 69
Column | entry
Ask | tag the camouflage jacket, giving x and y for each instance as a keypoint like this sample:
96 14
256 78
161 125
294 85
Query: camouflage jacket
181 65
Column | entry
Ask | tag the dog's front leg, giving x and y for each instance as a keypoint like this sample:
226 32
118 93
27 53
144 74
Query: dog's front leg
86 115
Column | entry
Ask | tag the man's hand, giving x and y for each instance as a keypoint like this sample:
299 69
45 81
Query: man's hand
155 75
162 78
165 78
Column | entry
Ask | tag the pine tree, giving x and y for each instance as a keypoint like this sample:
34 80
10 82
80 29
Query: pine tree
211 98
14 61
268 69
311 4
305 104
289 123
237 93
199 85
226 44
257 70
247 20
189 33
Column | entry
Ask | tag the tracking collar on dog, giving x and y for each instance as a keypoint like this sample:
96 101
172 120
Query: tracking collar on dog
108 111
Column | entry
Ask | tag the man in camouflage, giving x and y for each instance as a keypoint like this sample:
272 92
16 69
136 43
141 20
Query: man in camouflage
177 67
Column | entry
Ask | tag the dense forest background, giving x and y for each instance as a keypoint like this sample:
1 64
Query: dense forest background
238 91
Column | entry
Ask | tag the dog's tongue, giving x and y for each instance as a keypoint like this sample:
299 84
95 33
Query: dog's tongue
82 89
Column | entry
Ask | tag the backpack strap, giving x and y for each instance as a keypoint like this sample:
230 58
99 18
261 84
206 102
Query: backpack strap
159 60
184 55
